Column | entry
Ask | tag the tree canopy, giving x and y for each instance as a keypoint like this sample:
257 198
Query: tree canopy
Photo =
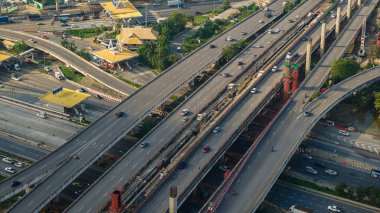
343 68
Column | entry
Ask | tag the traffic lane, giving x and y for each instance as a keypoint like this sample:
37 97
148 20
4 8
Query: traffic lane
291 132
167 77
13 146
350 176
285 196
174 123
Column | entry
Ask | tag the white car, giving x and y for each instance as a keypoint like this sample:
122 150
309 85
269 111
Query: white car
74 26
304 155
184 112
311 170
240 67
223 168
333 208
216 130
143 145
16 78
10 170
19 164
48 69
185 119
261 21
277 30
274 69
7 160
253 90
331 172
342 132
259 46
31 41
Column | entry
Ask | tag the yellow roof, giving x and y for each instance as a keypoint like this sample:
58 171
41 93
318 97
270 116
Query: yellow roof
114 57
8 43
137 32
122 12
67 97
4 56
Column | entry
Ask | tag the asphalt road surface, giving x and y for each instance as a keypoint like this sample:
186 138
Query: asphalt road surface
286 196
174 123
260 170
15 147
96 139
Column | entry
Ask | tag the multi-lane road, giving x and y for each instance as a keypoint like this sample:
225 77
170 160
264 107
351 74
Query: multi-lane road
125 170
285 196
262 168
97 138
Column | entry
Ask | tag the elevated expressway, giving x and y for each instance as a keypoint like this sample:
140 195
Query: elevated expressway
198 163
256 173
128 167
70 59
101 135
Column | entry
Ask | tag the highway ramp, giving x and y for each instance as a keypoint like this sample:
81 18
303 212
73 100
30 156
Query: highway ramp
262 168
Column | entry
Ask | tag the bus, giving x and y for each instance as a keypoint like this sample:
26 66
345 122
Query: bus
375 173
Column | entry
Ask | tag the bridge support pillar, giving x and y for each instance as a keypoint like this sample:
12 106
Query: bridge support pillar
349 9
359 3
337 24
57 7
308 56
323 40
173 199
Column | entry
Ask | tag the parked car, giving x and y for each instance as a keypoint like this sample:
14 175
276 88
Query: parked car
212 46
226 74
8 160
10 170
184 119
80 90
48 69
98 96
261 21
19 164
311 170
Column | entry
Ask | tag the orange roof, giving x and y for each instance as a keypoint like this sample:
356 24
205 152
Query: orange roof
4 56
131 35
66 97
115 56
121 12
8 44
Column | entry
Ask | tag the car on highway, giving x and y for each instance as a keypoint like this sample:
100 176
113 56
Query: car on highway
78 192
32 41
198 12
240 63
345 133
274 69
277 30
19 164
240 67
15 77
76 157
304 38
77 184
10 170
261 21
80 90
259 46
331 172
243 33
48 69
226 74
184 112
184 119
307 114
307 156
333 208
223 168
27 61
15 183
98 96
182 165
64 24
254 55
45 37
320 165
253 90
8 160
119 114
143 144
212 46
41 115
74 26
310 169
206 149
216 130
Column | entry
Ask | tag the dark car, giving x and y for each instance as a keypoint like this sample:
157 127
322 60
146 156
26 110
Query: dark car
212 46
240 63
320 165
16 183
198 12
120 114
182 165
98 97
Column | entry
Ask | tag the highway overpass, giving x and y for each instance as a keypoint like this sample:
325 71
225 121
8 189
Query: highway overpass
101 135
249 105
70 59
257 172
125 171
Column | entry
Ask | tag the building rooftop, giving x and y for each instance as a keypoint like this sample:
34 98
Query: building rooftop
136 35
8 44
124 10
66 97
114 56
5 56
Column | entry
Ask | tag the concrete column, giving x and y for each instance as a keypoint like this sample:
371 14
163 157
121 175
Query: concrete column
337 24
308 56
323 39
359 3
57 6
173 199
349 9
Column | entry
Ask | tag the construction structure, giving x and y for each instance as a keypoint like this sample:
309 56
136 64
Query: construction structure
121 9
132 38
290 79
309 47
173 200
113 55
349 5
337 24
116 204
361 51
64 100
323 39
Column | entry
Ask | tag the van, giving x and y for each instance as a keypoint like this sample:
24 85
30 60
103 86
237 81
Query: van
342 132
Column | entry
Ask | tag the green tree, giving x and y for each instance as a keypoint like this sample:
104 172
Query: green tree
289 6
343 68
373 53
377 101
315 95
19 47
84 54
225 5
340 189
232 50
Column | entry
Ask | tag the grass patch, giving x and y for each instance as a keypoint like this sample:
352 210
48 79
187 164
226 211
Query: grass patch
40 23
307 184
8 203
71 74
87 33
41 70
200 19
173 98
2 178
44 62
132 83
2 153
